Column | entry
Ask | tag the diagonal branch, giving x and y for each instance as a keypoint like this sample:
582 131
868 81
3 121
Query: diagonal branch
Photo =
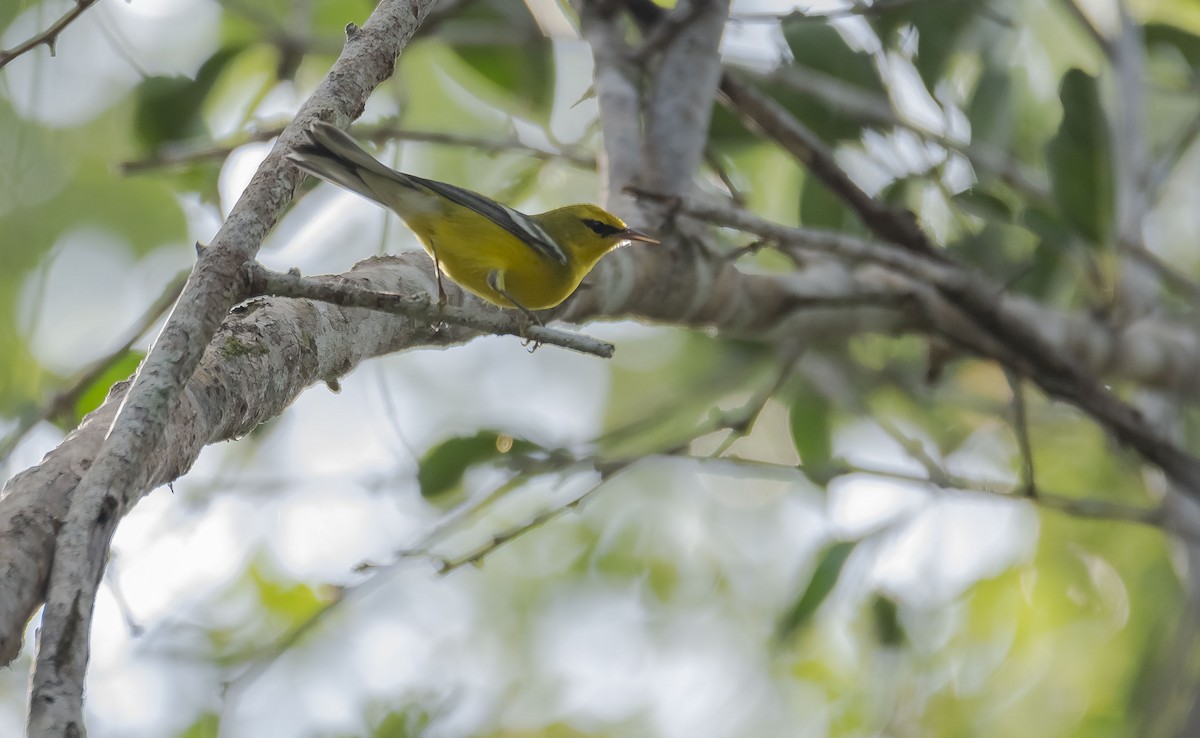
768 116
878 110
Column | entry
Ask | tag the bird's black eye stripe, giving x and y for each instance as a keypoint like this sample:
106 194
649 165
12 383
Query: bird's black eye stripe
601 229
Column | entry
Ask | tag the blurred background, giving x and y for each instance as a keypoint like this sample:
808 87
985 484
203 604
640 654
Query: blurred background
836 543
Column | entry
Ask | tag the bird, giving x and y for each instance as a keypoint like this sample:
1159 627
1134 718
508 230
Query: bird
507 258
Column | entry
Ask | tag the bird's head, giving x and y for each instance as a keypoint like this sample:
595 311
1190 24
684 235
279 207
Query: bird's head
588 232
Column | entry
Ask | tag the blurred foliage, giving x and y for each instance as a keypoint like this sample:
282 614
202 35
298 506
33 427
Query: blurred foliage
513 69
1079 159
830 562
442 467
711 577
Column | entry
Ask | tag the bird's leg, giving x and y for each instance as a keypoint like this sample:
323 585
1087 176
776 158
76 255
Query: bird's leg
441 301
437 273
496 282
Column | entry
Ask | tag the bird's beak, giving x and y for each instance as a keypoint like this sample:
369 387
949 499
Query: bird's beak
631 235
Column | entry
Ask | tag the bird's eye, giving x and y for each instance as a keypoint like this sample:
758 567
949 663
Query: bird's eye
601 228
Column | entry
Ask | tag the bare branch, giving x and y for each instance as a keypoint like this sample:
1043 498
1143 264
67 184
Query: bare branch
184 155
338 290
49 37
1021 430
852 10
1076 507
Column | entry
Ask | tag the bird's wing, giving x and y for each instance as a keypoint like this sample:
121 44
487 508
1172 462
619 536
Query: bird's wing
518 224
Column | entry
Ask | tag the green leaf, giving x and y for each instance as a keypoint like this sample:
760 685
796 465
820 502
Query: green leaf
1158 35
829 569
294 603
820 208
168 108
1049 258
1079 159
442 467
138 209
92 397
727 133
812 428
208 725
819 49
506 59
411 722
984 250
886 616
939 24
983 204
990 107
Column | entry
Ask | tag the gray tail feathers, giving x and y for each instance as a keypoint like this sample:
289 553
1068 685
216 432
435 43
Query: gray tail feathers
333 155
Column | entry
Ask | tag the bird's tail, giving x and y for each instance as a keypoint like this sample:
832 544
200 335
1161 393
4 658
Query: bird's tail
333 155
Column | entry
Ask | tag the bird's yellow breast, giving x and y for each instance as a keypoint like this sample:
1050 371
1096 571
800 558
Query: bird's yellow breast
470 248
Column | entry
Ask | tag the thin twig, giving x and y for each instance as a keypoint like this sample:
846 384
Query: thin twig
185 155
269 655
49 37
1102 42
916 450
1021 430
855 10
718 168
740 421
261 281
444 566
1187 287
1076 507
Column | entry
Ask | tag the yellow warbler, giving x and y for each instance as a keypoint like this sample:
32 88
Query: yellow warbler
530 262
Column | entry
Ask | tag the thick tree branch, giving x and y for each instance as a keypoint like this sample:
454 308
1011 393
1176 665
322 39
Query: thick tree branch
118 477
679 102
